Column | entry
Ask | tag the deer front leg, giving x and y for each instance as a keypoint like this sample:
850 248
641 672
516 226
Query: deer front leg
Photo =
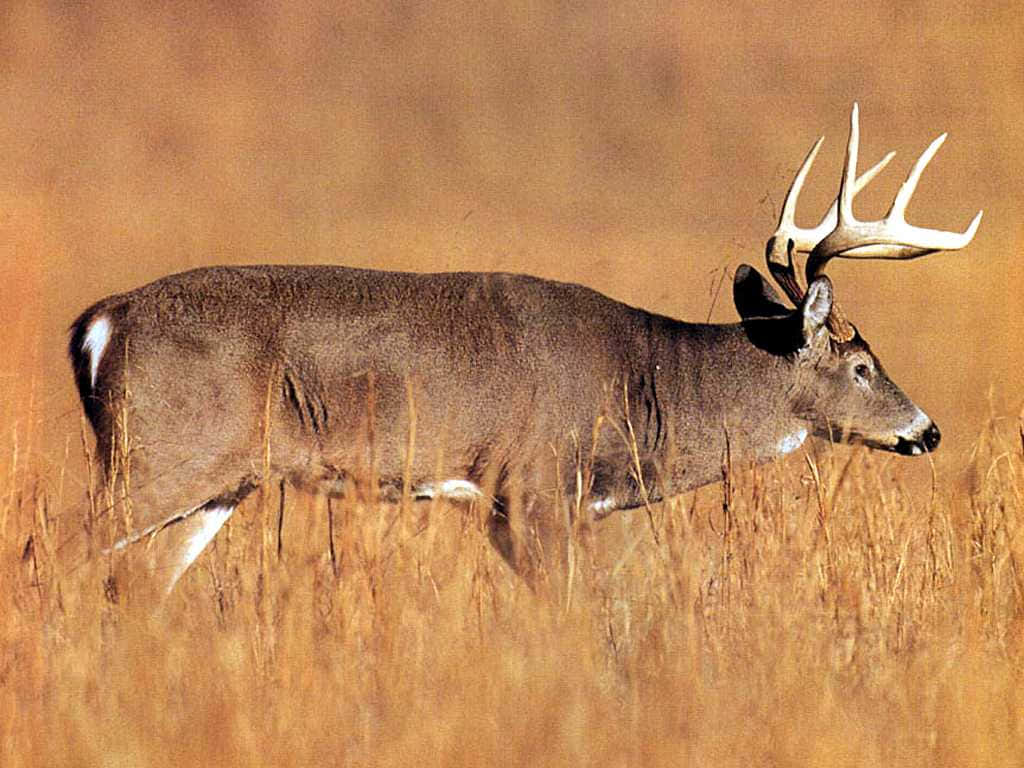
530 539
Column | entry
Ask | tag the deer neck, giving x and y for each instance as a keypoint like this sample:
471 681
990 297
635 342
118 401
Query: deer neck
725 402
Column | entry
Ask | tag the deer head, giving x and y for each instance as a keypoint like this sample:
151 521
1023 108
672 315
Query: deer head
841 386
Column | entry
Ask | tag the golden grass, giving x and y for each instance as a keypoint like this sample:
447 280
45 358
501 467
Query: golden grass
819 612
831 613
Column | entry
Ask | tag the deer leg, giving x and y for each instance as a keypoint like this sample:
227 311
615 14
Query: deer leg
499 531
516 548
534 549
171 550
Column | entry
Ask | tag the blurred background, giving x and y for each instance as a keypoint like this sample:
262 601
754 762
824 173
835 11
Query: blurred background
641 150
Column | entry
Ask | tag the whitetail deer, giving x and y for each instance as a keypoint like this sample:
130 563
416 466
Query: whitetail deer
527 393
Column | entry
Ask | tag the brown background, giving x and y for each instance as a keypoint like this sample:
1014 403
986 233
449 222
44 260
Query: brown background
640 150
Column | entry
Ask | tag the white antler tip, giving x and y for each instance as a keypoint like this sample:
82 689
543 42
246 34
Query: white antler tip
787 219
969 234
927 155
814 151
870 173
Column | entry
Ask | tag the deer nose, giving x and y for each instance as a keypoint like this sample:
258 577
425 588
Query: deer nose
930 438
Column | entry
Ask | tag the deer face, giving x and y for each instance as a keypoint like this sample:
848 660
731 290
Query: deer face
844 392
840 388
847 396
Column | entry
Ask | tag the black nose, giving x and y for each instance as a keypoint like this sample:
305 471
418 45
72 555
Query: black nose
930 438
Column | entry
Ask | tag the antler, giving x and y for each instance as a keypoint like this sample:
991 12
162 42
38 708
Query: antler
788 238
841 235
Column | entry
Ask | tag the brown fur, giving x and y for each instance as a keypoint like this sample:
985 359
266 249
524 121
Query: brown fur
508 376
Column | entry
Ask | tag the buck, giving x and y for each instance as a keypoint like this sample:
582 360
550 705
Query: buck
490 387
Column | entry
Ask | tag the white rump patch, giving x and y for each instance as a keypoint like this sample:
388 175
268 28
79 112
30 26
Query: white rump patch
459 490
95 341
790 443
207 522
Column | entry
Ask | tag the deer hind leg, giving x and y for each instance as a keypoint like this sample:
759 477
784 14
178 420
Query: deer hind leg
168 549
174 548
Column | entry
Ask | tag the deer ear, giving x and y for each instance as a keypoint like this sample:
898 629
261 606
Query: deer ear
816 307
754 297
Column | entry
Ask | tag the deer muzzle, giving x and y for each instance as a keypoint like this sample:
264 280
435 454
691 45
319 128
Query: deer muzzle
926 443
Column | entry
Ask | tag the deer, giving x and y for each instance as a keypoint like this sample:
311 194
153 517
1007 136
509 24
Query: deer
232 376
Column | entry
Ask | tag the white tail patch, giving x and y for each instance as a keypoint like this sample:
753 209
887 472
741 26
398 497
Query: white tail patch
206 522
459 490
95 341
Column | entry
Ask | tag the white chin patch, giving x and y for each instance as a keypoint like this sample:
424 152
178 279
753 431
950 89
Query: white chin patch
916 450
95 341
790 443
457 490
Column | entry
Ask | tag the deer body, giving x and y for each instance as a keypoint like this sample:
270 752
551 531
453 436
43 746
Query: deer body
502 371
493 358
507 389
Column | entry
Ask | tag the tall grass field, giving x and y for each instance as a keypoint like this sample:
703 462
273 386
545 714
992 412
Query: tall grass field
813 612
841 607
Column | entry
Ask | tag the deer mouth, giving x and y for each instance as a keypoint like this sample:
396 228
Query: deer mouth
926 443
908 447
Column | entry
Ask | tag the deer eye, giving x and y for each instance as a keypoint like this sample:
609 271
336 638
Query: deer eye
862 371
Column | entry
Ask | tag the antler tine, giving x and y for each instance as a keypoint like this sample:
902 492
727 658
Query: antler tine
828 223
849 167
898 210
891 237
930 239
788 216
789 238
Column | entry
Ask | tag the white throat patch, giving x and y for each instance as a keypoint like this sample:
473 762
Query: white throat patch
790 443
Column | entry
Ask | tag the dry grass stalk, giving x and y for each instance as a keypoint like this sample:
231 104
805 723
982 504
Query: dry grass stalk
818 611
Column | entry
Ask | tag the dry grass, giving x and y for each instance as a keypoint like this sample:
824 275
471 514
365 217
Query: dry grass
816 612
831 613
